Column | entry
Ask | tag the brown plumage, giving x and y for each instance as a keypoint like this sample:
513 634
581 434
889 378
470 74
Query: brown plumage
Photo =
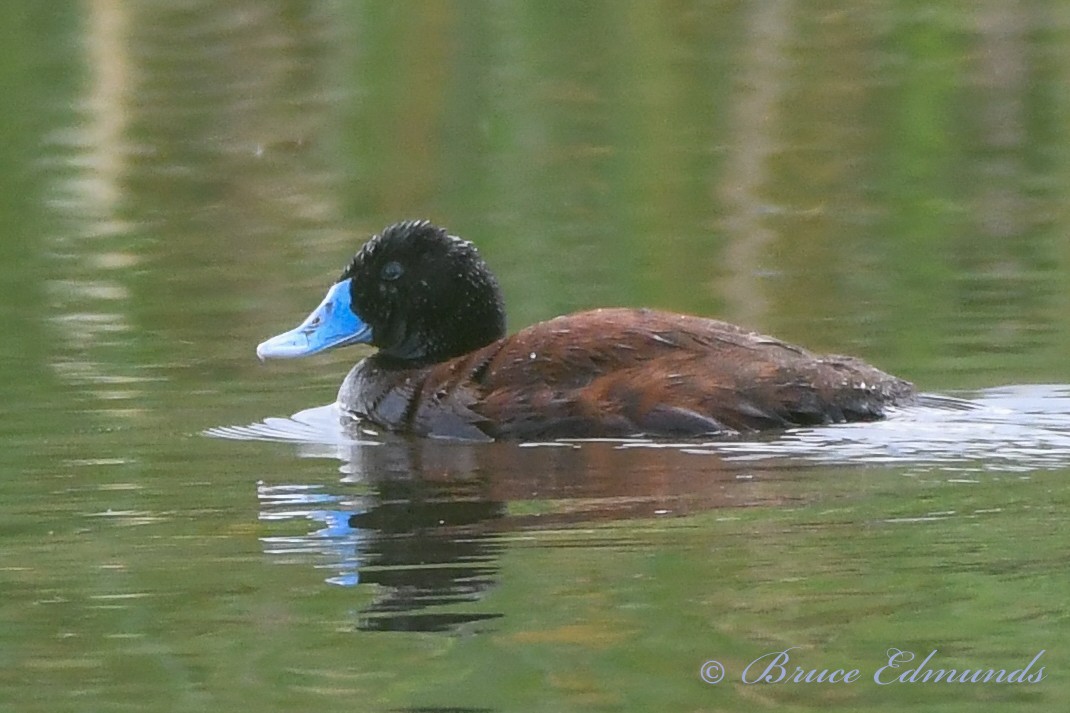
622 372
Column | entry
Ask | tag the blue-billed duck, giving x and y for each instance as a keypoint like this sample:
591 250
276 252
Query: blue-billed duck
445 367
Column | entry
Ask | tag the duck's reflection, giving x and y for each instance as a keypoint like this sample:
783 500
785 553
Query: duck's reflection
431 545
426 521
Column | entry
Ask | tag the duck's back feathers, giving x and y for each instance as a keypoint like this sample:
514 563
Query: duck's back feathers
621 372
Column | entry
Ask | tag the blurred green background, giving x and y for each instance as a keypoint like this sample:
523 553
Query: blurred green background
181 180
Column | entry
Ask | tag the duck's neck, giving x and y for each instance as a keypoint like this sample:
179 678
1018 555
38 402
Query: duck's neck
447 336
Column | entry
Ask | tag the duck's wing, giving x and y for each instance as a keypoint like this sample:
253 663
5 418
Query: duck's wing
629 372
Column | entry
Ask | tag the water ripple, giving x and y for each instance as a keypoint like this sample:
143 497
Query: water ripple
1006 429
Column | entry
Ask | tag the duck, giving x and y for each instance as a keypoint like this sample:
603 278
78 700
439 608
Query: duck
444 367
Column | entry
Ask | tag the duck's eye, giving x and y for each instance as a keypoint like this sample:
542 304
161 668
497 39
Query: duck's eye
392 271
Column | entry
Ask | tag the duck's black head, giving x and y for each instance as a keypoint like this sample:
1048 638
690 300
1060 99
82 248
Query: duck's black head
417 293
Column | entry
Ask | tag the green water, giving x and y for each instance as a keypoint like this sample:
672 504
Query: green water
180 181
